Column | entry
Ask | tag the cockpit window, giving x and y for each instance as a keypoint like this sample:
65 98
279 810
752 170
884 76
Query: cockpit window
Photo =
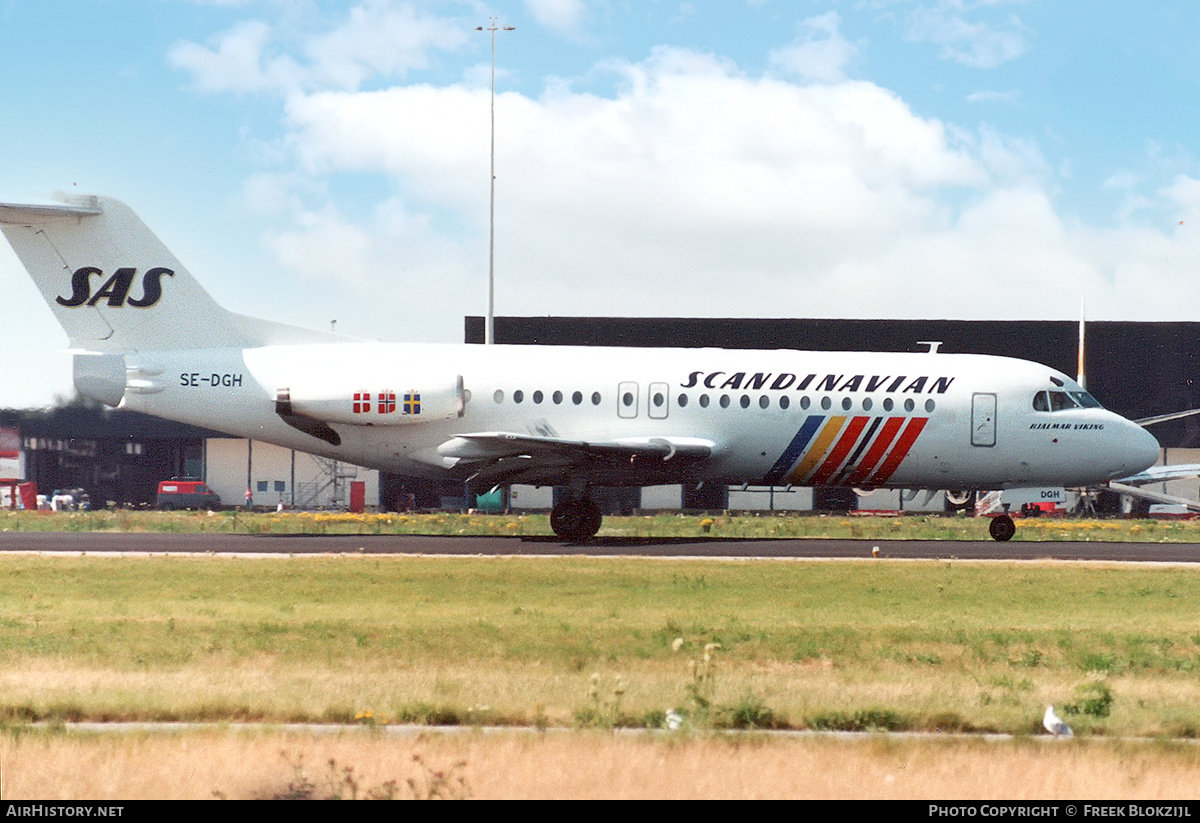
1060 400
1053 401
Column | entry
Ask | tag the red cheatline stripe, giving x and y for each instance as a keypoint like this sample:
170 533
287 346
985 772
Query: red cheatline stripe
839 477
877 450
897 455
826 436
838 453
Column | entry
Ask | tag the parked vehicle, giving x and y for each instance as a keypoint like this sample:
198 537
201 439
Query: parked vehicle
70 500
179 493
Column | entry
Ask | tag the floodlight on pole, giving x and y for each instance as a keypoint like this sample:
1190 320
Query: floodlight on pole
489 328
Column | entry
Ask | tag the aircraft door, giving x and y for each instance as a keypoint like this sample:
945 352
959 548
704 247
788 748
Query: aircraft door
627 400
658 401
983 419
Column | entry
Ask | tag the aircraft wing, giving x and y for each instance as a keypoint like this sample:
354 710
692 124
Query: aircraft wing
1162 474
1133 484
1155 497
1163 418
488 459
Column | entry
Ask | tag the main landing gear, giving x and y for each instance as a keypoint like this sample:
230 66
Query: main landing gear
1002 528
576 519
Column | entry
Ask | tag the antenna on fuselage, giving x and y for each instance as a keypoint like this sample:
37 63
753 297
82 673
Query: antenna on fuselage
933 345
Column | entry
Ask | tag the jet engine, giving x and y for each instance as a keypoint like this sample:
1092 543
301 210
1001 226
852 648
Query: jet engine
417 401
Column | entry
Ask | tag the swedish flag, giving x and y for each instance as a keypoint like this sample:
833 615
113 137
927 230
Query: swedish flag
412 402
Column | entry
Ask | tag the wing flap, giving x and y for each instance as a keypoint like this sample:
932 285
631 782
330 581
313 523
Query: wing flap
492 458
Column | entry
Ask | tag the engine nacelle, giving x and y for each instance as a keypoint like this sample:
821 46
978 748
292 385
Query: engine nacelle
419 402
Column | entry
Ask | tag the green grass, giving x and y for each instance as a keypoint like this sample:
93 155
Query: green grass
761 525
866 644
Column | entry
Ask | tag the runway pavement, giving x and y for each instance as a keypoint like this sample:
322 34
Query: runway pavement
142 543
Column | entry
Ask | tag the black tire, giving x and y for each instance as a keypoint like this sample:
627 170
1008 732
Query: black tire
576 520
592 518
167 507
1002 528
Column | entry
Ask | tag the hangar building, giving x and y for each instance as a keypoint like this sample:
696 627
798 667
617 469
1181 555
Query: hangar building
1137 369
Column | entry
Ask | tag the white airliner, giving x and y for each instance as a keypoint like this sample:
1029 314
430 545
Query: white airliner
147 337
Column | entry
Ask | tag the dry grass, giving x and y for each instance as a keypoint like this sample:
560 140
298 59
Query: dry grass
500 641
582 765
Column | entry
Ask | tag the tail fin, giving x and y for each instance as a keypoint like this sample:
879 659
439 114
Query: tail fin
113 285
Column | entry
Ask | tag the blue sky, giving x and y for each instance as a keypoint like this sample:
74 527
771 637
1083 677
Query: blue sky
318 161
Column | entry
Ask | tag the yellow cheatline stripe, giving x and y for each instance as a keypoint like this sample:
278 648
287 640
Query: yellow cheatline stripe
815 452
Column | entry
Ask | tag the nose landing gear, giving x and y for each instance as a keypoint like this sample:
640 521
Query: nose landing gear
1002 528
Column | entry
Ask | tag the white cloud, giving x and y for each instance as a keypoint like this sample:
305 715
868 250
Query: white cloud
236 62
561 16
1184 193
975 44
691 178
819 52
992 96
323 246
378 38
695 189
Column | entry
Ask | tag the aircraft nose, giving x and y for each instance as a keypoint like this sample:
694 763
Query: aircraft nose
1141 450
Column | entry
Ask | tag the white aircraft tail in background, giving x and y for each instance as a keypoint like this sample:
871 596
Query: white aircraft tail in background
104 273
149 338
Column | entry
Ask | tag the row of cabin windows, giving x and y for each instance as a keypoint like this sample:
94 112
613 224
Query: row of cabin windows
658 400
826 403
537 397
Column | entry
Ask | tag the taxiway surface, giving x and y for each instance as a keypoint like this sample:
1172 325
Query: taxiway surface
105 542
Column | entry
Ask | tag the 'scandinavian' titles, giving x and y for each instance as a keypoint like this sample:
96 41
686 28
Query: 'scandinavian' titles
889 383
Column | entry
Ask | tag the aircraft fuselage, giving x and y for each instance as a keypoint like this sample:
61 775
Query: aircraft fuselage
775 417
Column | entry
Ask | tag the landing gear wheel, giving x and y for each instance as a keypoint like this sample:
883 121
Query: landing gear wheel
1002 528
576 520
959 500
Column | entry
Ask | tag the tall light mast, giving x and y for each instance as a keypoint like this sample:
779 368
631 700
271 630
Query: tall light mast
489 330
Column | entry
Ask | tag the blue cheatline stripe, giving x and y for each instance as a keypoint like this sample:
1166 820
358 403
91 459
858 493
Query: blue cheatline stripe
792 453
